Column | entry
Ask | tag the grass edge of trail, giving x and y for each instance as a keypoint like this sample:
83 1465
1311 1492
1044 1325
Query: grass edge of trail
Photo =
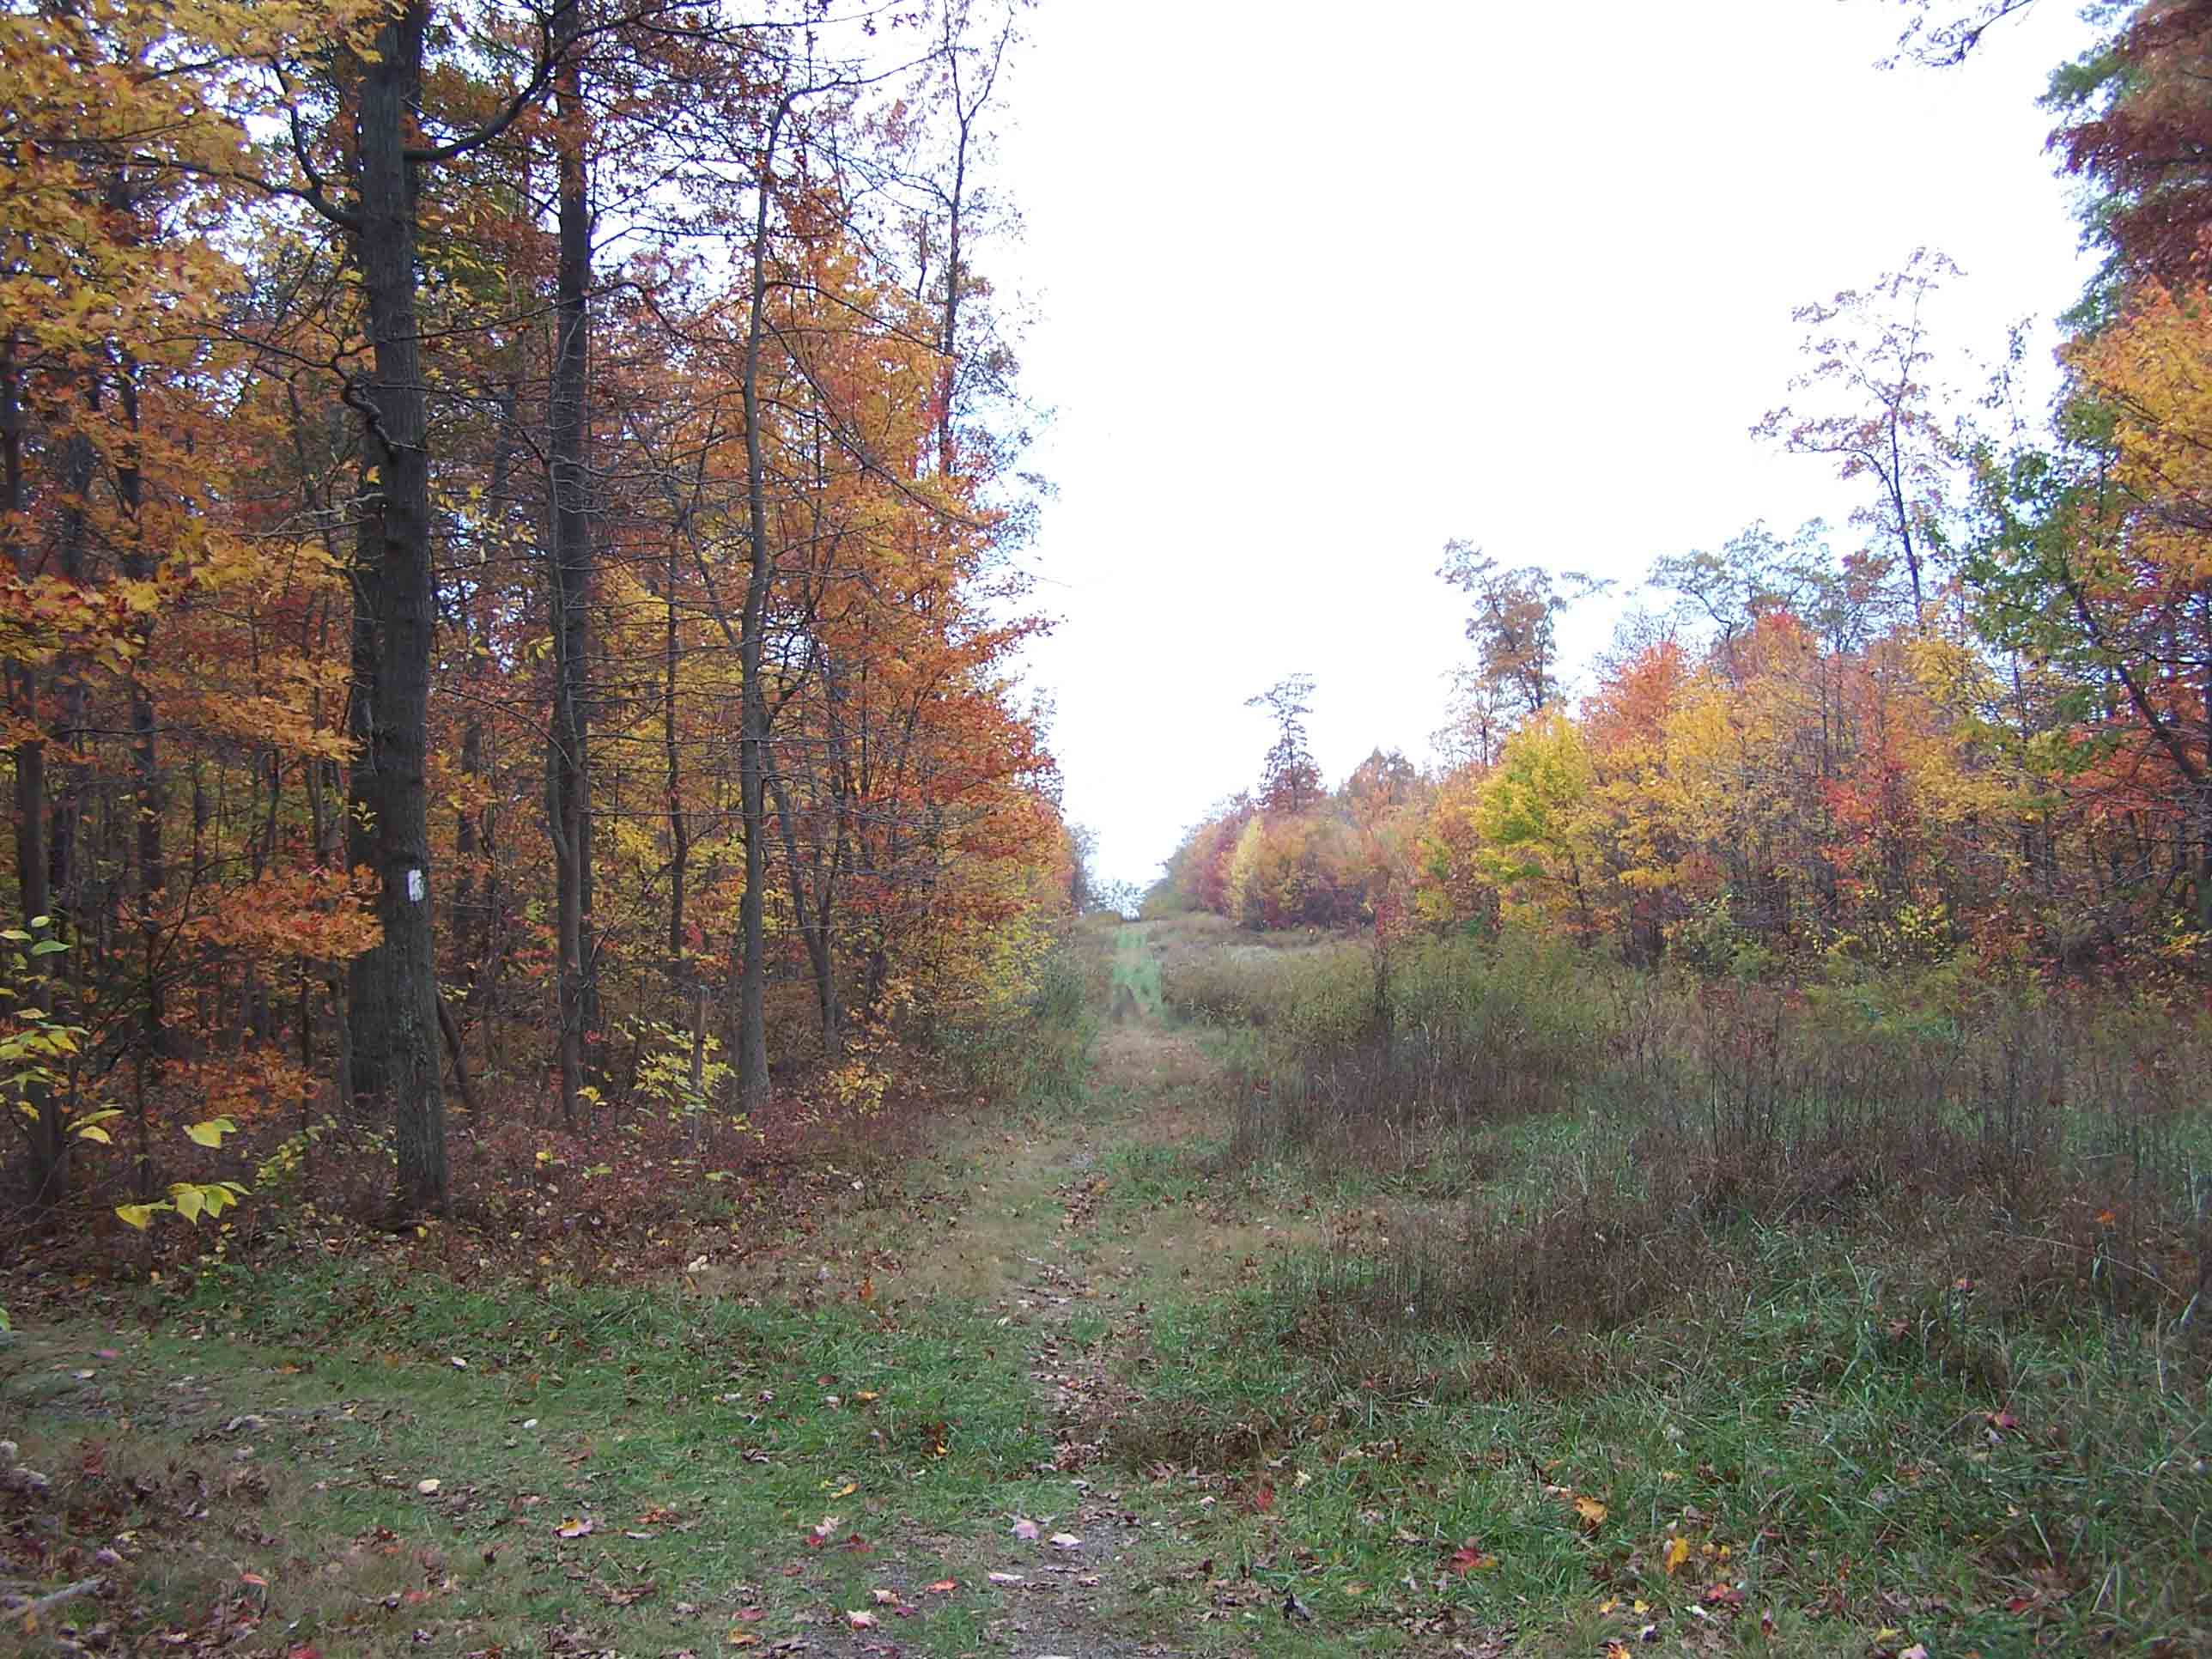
1831 1457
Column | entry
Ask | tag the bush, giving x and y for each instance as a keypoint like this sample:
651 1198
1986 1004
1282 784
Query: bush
2049 1149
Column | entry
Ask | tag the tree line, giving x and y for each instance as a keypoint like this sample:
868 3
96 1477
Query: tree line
1975 718
507 527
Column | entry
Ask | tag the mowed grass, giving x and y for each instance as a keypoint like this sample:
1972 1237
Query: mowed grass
1135 983
353 1460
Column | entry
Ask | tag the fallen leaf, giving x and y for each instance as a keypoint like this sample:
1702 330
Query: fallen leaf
943 1587
1678 1551
1592 1512
427 1487
573 1527
1065 1541
860 1620
1006 1578
1470 1556
1025 1529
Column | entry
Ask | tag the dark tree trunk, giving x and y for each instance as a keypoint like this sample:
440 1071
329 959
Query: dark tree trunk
402 969
365 1042
752 702
569 794
48 1170
679 829
145 758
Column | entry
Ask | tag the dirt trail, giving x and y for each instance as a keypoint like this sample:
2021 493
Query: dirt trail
1037 1225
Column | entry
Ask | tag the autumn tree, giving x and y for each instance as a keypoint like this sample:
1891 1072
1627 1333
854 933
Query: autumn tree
1869 404
1289 779
1513 623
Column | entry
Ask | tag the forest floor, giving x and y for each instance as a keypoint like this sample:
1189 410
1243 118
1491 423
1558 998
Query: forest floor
1031 1391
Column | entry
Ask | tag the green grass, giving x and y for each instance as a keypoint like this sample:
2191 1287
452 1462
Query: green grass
1830 1438
1844 1480
1136 971
703 1441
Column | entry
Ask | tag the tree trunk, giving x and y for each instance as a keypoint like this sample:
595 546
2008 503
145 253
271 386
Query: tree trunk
568 796
145 760
753 711
404 965
679 829
366 1039
48 1169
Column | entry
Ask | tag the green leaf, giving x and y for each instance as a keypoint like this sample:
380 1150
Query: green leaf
139 1216
93 1132
188 1201
210 1134
46 947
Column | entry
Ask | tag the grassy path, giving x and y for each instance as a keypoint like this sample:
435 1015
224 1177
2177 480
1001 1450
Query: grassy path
1070 1380
828 1447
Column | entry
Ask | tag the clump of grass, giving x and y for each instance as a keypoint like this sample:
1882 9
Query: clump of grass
2048 1149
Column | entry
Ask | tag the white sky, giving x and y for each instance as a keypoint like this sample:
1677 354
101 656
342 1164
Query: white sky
1319 288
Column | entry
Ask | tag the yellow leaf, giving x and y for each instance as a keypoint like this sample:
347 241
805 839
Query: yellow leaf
210 1134
1678 1551
93 1132
1592 1512
139 1216
189 1203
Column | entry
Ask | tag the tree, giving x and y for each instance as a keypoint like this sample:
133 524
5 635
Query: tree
2094 562
2135 124
1289 779
1880 417
1514 622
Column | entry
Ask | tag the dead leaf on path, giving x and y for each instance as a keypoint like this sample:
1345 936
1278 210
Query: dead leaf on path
1678 1551
943 1587
860 1621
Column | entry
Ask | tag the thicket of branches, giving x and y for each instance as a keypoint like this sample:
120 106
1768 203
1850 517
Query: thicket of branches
505 513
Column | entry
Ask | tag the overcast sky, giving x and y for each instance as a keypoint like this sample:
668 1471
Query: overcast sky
1319 287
